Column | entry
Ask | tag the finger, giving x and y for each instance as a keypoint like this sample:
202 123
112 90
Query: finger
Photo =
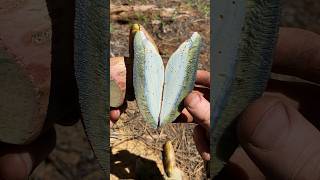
281 142
17 161
115 115
185 116
199 108
201 142
297 53
203 78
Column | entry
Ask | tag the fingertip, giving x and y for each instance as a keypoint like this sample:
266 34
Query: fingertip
199 108
114 115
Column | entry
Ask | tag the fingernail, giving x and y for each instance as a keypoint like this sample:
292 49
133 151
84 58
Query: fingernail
272 127
193 100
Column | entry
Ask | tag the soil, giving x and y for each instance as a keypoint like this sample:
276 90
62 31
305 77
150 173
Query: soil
134 143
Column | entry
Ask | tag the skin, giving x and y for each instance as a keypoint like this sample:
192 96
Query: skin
278 133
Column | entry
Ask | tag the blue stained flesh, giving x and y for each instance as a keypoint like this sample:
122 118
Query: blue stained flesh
174 80
154 78
148 77
158 92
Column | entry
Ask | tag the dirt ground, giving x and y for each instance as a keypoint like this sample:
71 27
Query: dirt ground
135 145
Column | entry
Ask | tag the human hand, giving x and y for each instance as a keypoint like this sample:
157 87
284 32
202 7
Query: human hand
297 54
279 132
278 141
197 109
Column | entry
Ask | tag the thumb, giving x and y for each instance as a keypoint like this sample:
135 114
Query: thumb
199 108
281 142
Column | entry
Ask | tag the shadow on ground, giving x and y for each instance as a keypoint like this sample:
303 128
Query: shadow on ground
125 165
